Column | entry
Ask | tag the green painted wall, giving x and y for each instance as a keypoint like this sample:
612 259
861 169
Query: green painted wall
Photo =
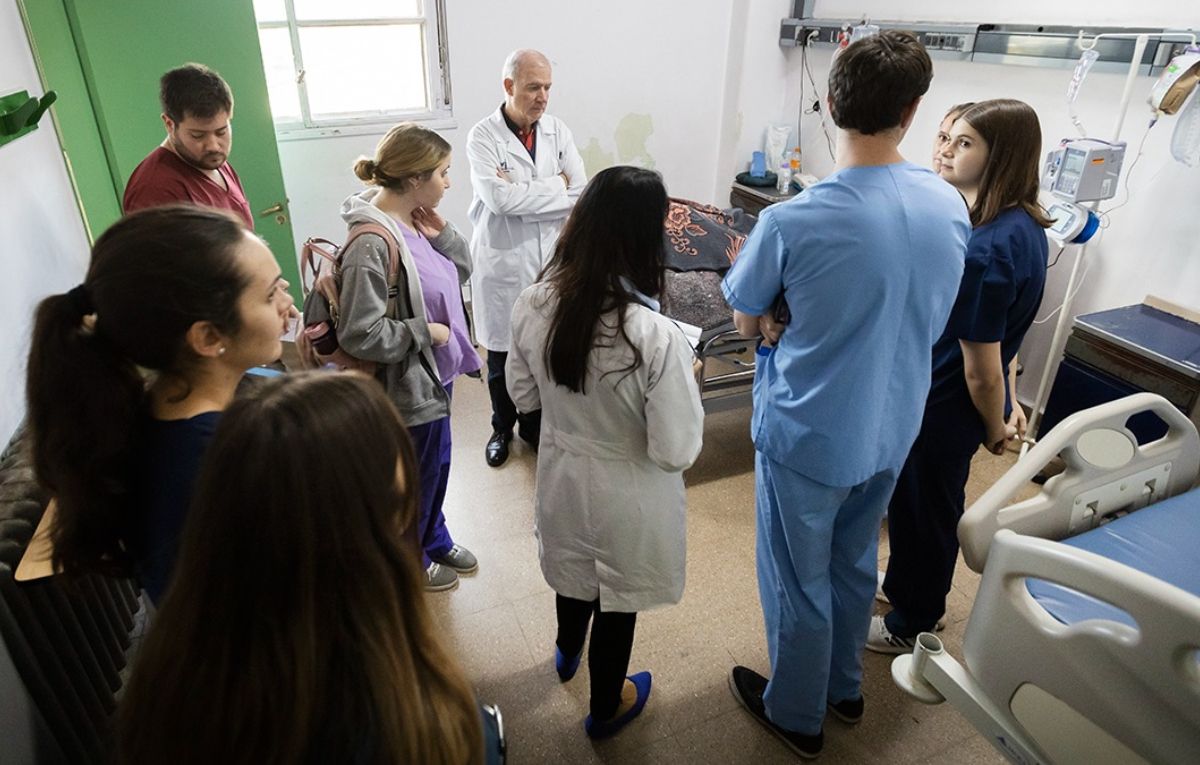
79 133
120 48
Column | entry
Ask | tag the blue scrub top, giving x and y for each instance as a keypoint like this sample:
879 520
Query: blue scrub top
1001 291
164 470
869 261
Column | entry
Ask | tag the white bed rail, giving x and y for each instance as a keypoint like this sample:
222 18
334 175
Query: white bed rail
1107 472
1092 691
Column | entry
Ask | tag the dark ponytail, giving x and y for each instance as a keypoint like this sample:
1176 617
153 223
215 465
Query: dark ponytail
152 275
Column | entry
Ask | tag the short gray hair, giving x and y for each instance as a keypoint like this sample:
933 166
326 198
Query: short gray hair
519 57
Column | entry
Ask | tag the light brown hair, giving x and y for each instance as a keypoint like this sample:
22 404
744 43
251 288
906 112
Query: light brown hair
1013 136
295 628
408 151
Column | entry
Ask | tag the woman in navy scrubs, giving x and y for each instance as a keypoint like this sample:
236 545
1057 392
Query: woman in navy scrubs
992 158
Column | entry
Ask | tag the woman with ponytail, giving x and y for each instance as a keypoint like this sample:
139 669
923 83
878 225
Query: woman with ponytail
415 328
128 374
298 629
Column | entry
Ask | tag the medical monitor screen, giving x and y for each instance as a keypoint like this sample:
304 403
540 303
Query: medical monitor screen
1074 162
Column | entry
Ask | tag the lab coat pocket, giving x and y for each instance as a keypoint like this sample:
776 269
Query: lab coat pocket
500 234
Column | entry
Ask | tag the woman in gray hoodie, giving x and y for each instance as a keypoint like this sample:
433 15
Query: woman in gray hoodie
422 343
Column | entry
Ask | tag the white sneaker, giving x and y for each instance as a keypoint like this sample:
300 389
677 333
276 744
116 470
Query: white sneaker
880 640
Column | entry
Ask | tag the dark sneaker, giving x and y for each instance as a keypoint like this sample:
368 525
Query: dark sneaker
460 559
748 688
880 640
849 711
496 451
439 578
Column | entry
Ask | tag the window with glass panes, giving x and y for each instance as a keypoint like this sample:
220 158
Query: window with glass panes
345 62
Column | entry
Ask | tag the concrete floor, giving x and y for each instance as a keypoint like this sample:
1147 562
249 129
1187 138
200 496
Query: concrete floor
501 623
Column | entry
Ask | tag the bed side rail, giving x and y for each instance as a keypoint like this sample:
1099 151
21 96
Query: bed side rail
1107 473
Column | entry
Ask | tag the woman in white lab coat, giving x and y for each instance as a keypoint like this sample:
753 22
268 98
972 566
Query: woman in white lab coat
621 420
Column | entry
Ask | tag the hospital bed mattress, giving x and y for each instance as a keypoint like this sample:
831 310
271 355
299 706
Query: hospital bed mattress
1162 540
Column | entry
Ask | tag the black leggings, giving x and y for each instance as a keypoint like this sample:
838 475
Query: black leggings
608 655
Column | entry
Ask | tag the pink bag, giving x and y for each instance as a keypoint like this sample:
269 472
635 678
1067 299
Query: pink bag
321 278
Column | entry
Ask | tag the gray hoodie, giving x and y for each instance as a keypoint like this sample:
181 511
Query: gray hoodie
400 344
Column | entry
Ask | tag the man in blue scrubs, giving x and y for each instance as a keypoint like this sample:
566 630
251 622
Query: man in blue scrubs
868 263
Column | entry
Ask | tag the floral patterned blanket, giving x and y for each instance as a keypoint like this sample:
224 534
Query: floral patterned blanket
702 237
702 241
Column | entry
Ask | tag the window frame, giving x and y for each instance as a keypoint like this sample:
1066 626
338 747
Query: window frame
435 52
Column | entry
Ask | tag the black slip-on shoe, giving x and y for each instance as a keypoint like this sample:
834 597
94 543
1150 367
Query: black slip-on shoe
748 687
849 711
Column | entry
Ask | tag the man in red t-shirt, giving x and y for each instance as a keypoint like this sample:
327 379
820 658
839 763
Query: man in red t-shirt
190 165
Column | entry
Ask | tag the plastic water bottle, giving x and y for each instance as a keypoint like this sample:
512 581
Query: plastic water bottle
784 179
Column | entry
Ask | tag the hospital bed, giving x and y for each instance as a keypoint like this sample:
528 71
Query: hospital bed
1083 644
701 242
695 299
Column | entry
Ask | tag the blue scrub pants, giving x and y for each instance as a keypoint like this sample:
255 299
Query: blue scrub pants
817 551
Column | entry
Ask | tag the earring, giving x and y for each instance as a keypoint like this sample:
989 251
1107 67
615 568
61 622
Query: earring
221 351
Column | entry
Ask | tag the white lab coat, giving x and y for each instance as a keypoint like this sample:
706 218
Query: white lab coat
610 509
515 223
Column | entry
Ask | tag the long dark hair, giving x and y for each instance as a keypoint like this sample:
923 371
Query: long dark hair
295 628
615 231
152 275
1010 178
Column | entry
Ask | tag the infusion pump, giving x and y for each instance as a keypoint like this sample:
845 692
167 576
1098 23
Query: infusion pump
1083 169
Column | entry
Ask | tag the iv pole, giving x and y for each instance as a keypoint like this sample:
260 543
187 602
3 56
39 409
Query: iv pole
1054 355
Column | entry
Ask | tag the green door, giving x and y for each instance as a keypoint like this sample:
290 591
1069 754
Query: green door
118 49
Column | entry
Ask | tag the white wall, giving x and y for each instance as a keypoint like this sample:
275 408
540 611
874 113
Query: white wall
45 245
711 75
611 60
1152 245
1147 13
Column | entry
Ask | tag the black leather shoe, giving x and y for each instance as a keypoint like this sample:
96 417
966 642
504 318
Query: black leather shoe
496 451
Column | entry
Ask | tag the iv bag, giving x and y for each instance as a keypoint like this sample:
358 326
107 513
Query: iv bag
1185 141
1082 67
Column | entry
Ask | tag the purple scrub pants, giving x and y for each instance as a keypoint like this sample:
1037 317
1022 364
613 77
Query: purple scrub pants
431 442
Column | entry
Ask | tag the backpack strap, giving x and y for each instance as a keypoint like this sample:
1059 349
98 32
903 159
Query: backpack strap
315 249
393 276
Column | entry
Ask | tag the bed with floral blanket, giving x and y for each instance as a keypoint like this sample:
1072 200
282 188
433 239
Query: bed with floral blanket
701 244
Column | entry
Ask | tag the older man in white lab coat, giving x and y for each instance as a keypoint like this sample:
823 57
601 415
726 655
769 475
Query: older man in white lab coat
525 176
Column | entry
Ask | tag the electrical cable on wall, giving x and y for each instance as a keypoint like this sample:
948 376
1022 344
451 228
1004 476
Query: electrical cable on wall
807 70
1057 255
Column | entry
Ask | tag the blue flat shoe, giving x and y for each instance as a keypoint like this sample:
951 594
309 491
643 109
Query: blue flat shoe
566 667
606 728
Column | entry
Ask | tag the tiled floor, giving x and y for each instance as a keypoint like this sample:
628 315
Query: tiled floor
501 623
